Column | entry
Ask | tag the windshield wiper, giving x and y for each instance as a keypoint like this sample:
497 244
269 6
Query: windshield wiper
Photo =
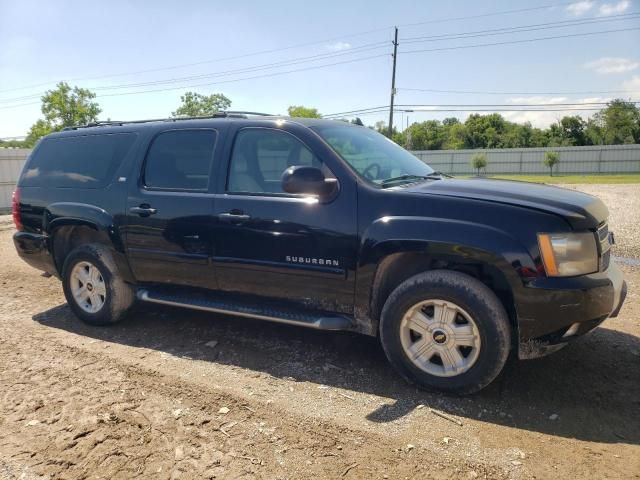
388 181
439 174
401 178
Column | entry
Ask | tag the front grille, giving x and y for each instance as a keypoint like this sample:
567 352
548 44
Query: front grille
605 246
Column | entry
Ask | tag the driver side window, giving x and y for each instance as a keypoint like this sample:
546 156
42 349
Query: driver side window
261 155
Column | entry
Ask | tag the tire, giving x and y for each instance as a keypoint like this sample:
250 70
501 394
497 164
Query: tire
460 355
106 298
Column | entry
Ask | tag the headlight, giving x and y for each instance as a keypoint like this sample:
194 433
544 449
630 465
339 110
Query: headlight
568 254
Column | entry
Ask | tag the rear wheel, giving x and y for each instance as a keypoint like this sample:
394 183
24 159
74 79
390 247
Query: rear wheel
92 286
445 330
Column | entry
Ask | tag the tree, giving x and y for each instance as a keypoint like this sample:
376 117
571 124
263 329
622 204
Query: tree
64 107
429 135
619 123
479 161
551 159
37 131
572 130
381 127
198 105
303 112
485 131
455 134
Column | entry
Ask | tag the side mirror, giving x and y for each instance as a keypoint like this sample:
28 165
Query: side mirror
309 181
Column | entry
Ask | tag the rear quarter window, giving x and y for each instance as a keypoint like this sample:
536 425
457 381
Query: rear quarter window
87 161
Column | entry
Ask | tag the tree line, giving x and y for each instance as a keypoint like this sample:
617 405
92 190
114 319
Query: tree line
617 123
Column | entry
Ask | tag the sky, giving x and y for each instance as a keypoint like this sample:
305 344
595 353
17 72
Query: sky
336 56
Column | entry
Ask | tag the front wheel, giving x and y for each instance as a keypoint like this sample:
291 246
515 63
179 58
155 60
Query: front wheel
446 331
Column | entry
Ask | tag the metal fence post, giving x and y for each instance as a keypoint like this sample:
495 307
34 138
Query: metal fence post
600 160
521 153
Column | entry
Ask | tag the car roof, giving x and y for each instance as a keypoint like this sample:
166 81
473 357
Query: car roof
201 122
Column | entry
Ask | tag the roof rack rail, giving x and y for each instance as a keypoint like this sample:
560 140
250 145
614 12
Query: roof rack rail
224 114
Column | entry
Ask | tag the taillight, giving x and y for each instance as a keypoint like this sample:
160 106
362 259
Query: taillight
15 209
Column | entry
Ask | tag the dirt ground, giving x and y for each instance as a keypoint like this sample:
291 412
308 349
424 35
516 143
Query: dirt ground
172 393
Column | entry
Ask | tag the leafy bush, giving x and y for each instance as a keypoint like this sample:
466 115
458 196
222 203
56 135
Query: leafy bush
551 159
479 161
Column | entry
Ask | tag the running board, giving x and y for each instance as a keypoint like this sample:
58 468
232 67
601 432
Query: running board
250 309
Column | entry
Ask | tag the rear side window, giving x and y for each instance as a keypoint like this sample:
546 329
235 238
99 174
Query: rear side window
180 160
87 161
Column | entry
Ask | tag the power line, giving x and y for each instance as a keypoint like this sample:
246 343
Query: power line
520 29
284 63
220 81
528 40
509 104
466 110
477 92
504 12
304 59
203 62
537 107
290 47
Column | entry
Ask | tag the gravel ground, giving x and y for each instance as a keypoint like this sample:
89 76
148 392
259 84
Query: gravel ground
623 202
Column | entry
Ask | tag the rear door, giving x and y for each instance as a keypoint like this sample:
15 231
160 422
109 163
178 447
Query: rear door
170 226
278 245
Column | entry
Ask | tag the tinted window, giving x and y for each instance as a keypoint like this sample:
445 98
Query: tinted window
180 159
88 161
261 155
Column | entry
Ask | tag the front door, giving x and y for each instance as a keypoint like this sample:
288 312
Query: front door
170 225
278 245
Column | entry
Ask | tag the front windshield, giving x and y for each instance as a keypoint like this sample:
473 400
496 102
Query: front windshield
372 155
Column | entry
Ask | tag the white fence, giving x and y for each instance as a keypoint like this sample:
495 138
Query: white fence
573 160
11 161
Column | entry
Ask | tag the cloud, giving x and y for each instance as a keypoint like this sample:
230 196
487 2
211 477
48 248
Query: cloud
632 85
580 8
537 100
606 65
614 8
338 46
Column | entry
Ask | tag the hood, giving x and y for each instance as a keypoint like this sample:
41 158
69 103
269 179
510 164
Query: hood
582 211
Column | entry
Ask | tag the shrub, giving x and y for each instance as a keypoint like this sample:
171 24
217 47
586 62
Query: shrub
551 159
479 161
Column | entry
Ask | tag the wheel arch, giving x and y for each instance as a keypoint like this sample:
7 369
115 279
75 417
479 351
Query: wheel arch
69 225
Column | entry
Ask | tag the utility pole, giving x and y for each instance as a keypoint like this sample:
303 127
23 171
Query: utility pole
393 82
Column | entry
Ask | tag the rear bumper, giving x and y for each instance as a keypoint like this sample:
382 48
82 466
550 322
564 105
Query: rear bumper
554 312
34 249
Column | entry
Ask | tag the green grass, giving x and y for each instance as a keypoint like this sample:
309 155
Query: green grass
624 178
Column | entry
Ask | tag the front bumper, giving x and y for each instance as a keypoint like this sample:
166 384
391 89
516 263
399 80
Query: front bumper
554 311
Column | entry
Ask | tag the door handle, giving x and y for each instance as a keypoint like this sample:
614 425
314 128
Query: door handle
233 217
143 210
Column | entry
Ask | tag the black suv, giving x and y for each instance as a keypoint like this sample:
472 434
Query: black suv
321 224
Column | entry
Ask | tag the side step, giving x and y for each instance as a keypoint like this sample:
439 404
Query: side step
248 308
